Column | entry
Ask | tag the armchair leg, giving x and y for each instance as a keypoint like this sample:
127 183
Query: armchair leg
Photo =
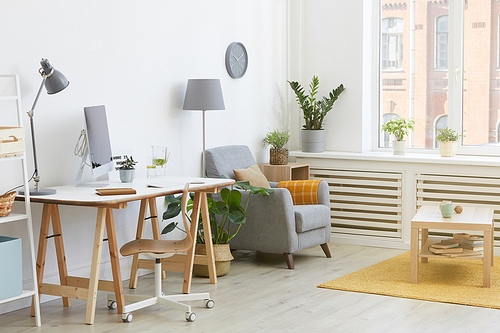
289 260
326 249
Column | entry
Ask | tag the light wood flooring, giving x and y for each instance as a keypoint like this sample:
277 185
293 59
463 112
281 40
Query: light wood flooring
260 295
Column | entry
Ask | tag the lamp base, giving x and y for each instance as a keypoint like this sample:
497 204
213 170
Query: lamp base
40 191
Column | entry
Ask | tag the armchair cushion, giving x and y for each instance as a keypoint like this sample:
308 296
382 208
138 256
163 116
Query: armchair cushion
253 175
304 192
311 217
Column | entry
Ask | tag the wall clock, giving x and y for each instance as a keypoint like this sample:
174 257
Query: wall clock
236 60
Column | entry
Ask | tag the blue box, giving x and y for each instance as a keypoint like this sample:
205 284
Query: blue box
11 268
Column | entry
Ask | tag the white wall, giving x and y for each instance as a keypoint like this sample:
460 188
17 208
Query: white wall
135 57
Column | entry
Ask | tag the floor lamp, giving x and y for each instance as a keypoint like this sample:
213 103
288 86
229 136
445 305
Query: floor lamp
54 82
203 95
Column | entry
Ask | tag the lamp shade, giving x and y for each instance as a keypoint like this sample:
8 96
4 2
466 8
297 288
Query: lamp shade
55 81
203 94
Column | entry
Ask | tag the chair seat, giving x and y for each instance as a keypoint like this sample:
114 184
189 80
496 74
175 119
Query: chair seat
310 217
154 246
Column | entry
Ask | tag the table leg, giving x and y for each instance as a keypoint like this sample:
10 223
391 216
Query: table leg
115 260
492 242
188 265
95 266
414 255
208 240
42 250
487 259
424 237
61 256
140 234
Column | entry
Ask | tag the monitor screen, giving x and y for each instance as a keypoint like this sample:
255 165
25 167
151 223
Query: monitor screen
96 126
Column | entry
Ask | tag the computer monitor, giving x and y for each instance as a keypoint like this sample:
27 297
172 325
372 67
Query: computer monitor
98 143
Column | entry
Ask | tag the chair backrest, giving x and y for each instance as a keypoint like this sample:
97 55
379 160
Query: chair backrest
184 200
221 161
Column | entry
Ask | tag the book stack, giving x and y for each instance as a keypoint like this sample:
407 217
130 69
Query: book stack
461 245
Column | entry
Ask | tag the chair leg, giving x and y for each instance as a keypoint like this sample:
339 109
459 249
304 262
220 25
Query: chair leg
326 249
289 260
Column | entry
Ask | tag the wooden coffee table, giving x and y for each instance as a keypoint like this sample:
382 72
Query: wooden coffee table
471 219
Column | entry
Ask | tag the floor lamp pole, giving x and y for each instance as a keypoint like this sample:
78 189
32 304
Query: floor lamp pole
203 168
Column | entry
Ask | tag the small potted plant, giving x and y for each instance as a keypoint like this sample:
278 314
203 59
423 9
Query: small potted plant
277 139
399 128
127 169
448 142
313 135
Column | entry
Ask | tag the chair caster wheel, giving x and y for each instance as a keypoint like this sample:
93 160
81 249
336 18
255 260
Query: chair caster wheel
127 317
190 316
209 303
111 305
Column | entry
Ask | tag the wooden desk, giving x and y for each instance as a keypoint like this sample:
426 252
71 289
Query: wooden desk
86 288
471 219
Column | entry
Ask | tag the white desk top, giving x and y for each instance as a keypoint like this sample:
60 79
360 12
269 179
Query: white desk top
86 195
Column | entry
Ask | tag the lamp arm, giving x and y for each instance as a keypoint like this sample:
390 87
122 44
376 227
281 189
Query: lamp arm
36 178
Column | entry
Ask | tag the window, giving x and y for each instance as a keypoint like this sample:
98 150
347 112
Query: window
392 43
442 42
451 68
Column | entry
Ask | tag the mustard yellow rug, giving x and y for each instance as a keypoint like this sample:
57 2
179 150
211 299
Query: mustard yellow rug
457 281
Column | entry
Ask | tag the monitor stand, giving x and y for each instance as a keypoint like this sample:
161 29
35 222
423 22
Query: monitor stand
79 181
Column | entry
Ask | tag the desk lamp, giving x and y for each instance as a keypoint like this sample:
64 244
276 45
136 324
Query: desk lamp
54 82
203 95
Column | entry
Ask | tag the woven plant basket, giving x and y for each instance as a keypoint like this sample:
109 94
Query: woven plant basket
278 156
447 148
222 255
6 202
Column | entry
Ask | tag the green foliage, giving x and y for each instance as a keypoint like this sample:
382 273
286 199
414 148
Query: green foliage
276 138
398 127
448 134
128 164
223 213
314 110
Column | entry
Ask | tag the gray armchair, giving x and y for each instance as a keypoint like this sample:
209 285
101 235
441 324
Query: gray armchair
273 224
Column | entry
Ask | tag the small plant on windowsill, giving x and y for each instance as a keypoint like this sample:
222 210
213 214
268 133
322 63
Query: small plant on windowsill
399 128
277 140
448 138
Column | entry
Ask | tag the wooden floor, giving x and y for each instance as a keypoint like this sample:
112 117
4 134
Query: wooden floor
260 295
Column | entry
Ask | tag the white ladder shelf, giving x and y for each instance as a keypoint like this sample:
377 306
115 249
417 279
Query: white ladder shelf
16 217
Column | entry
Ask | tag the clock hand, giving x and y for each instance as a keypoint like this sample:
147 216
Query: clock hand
240 57
237 59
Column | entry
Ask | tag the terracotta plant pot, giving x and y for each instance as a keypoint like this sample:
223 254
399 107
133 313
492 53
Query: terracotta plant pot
222 255
278 156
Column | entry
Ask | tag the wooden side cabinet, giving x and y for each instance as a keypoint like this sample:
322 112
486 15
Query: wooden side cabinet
290 171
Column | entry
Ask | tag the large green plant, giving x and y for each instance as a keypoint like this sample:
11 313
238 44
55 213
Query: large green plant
223 213
398 127
314 110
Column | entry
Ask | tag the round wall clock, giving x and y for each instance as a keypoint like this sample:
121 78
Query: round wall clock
236 60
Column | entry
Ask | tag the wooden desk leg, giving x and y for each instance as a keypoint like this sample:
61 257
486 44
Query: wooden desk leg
208 240
61 256
153 211
140 234
115 260
42 250
414 255
95 266
487 259
425 236
188 264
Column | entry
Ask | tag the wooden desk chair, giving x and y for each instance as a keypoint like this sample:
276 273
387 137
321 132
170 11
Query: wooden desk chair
158 249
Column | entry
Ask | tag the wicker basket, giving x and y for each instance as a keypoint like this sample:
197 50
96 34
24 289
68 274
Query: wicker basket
222 256
278 156
6 202
447 148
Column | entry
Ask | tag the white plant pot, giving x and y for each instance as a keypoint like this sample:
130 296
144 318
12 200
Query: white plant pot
127 176
447 148
313 141
399 147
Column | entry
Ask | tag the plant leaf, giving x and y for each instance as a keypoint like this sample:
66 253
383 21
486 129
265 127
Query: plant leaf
173 210
171 226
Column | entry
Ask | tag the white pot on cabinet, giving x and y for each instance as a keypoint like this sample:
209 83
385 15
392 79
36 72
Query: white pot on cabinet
399 147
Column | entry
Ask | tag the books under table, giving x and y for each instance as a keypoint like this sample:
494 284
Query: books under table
461 245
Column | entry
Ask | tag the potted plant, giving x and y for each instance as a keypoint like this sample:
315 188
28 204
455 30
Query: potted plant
227 215
399 128
127 169
313 137
277 139
448 142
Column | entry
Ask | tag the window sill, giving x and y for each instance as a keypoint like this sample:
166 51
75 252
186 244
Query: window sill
408 158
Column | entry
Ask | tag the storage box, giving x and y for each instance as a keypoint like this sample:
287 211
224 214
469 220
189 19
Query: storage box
11 270
11 141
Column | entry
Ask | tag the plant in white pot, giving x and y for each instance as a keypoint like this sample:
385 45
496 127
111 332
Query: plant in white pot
399 128
448 142
127 169
277 140
314 113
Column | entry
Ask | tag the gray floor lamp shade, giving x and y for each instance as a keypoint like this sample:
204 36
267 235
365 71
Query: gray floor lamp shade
203 95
